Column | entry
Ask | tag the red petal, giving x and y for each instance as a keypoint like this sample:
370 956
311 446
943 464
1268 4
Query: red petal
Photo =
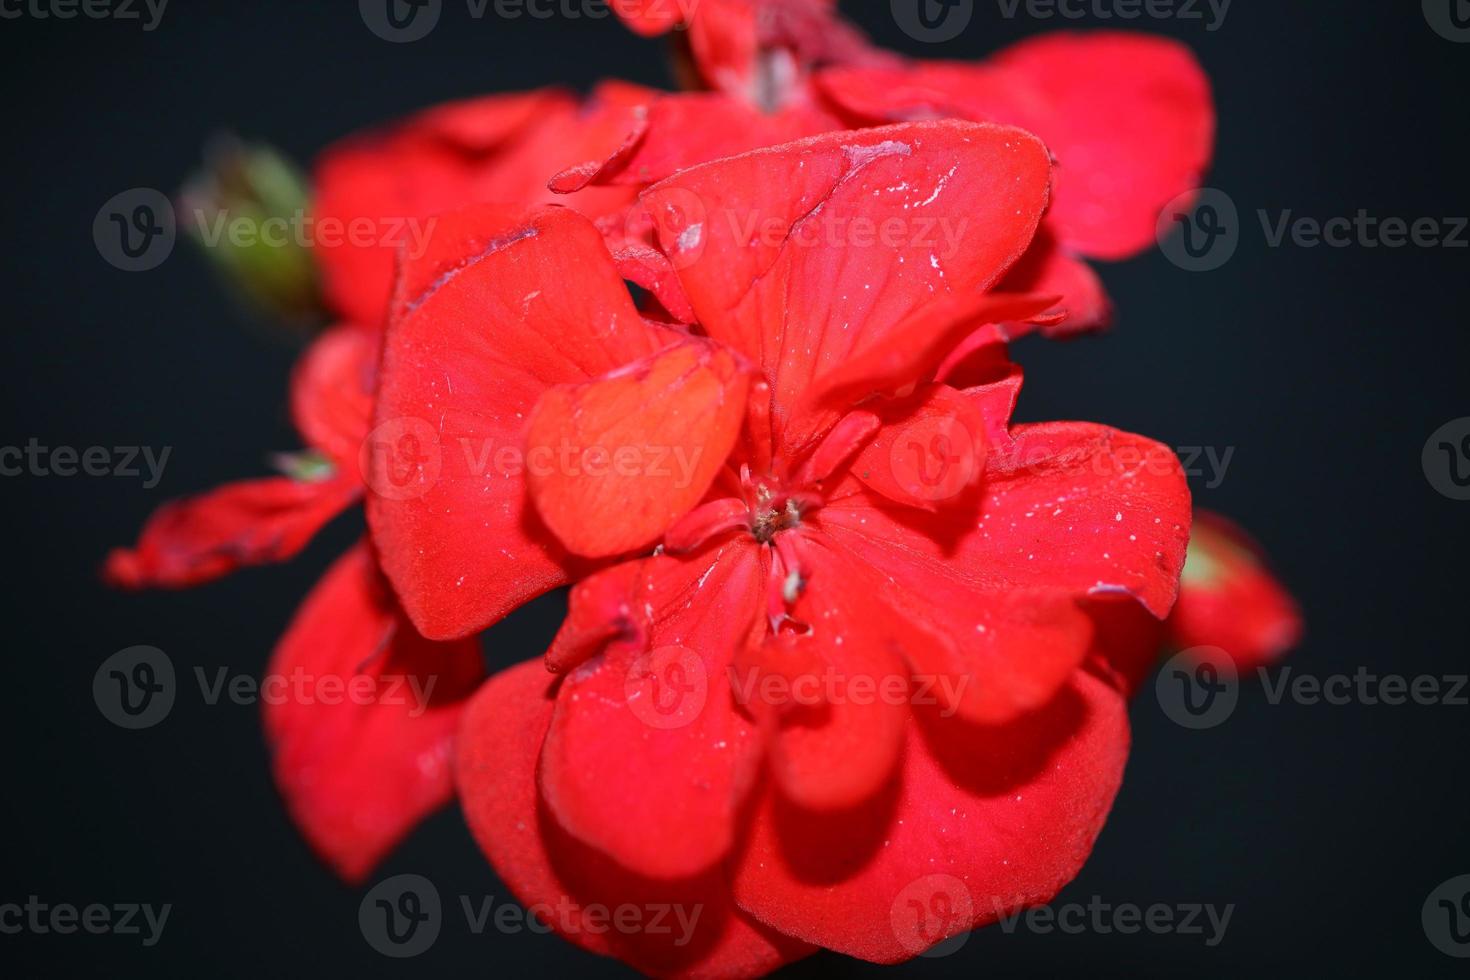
1066 506
706 521
379 191
1131 122
604 607
842 442
332 392
1229 599
575 178
982 365
253 522
986 653
1065 512
930 451
560 879
982 823
424 165
843 690
363 716
1047 269
801 254
688 128
649 268
483 124
1128 117
1124 506
1127 640
914 349
614 461
652 17
496 312
647 760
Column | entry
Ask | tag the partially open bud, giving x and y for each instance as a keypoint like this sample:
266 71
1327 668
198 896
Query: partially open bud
1230 600
306 466
247 208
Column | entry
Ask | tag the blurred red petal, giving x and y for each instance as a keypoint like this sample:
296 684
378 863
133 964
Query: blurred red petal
332 392
364 718
253 522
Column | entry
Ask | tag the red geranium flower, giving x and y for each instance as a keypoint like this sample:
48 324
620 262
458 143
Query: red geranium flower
356 774
842 517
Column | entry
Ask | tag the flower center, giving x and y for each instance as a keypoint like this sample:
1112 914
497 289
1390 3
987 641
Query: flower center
769 520
774 510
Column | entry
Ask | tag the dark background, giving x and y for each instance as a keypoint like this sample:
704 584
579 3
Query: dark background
1327 369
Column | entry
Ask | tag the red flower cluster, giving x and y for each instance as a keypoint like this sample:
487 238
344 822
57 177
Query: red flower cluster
847 652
